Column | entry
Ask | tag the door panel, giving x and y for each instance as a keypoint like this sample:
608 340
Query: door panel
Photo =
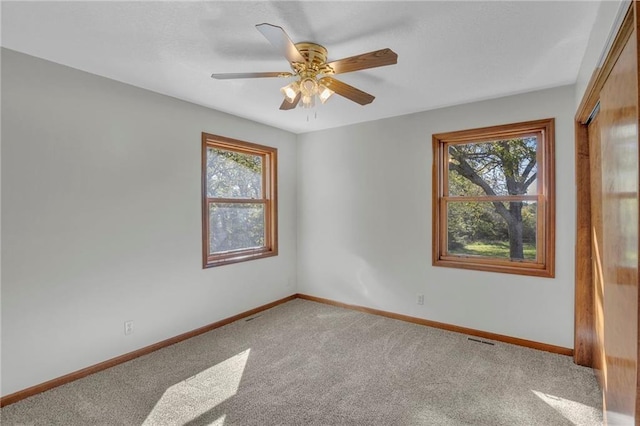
619 251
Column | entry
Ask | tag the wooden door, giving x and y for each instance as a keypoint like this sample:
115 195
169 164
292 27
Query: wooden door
617 244
607 177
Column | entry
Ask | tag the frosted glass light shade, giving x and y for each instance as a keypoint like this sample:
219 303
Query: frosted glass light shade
324 93
290 91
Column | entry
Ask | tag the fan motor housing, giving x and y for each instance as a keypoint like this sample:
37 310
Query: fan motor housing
314 54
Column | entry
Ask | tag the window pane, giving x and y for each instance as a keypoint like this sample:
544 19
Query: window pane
502 167
235 226
482 229
233 175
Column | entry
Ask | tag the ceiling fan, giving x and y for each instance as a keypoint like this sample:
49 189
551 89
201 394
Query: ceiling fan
314 74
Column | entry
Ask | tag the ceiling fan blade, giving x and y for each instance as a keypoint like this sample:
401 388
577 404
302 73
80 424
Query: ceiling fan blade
379 58
286 105
349 92
281 41
226 76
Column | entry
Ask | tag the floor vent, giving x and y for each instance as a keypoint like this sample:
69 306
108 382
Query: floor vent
481 341
252 318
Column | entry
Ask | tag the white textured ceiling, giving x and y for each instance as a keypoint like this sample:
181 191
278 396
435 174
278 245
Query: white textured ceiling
448 52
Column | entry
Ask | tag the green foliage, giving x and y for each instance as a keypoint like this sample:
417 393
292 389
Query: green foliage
233 174
529 222
495 249
503 167
235 226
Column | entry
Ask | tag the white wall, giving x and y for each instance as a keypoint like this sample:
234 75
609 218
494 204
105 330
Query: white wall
608 19
102 220
364 222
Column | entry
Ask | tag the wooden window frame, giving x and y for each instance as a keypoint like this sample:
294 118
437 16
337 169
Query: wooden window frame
544 265
269 199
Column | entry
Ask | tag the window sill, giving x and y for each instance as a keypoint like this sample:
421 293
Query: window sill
505 267
214 261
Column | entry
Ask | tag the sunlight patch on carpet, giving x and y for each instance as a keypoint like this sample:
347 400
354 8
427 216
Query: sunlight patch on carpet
573 411
219 421
199 394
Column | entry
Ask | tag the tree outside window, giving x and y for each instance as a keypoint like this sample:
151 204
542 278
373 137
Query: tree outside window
494 199
239 200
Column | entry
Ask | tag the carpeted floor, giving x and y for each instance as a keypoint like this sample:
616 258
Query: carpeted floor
305 363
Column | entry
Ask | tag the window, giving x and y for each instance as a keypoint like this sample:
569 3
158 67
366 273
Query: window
493 199
239 211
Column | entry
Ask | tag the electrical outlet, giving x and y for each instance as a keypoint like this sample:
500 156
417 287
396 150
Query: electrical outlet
421 299
128 327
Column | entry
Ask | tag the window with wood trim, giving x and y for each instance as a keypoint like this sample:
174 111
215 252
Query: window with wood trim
494 199
239 203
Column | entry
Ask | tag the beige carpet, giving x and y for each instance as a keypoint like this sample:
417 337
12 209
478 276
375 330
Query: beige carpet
305 363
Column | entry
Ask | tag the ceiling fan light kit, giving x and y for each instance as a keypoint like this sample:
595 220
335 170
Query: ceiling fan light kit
309 88
290 91
313 74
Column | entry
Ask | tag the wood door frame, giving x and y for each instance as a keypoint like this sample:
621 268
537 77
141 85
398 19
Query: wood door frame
584 326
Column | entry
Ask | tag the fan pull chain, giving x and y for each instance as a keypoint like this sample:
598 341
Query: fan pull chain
315 116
